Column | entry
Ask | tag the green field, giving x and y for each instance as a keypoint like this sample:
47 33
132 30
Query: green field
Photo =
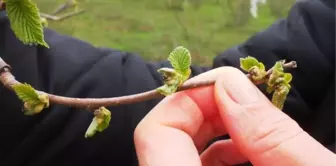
151 29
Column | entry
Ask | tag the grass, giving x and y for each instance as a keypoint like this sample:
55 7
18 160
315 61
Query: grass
150 29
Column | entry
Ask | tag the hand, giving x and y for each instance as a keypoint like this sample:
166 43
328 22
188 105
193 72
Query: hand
180 126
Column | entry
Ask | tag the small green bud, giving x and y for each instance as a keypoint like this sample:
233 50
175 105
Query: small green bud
256 73
30 109
100 122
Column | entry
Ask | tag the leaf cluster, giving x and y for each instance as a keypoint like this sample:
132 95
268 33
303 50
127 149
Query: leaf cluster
180 59
278 82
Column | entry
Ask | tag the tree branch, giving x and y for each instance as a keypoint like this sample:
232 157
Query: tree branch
59 18
7 79
66 5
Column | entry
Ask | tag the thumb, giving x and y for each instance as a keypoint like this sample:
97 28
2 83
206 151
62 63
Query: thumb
264 134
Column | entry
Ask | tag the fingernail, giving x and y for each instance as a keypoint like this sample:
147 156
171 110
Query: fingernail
241 89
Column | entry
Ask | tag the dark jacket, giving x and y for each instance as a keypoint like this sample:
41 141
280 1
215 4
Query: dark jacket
75 68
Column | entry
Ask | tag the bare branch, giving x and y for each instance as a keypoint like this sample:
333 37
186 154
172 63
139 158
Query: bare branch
64 6
7 79
59 18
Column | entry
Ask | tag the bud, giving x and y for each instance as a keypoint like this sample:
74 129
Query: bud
99 120
44 98
32 109
38 108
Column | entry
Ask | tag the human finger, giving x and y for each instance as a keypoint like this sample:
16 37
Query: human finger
263 133
171 132
222 153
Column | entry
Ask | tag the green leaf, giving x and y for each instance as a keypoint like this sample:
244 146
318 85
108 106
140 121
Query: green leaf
34 102
105 117
169 75
278 67
247 63
269 89
99 123
92 130
288 77
26 93
277 72
167 89
280 95
25 21
30 109
180 59
172 81
256 74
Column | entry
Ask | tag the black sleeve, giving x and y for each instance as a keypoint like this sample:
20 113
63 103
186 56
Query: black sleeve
307 36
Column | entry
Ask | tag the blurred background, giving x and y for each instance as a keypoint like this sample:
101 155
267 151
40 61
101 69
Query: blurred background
153 28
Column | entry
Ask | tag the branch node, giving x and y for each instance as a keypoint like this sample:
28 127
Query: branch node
4 67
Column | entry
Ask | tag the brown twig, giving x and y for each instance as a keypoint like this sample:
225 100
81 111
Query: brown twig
59 18
62 7
8 80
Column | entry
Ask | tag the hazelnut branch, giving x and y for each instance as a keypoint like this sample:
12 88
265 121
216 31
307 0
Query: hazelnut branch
8 80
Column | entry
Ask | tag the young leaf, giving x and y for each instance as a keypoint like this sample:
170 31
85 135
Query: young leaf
278 67
167 89
99 123
280 95
25 21
91 131
30 109
44 98
172 80
288 77
269 89
256 74
34 102
26 93
277 73
247 63
180 59
104 118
